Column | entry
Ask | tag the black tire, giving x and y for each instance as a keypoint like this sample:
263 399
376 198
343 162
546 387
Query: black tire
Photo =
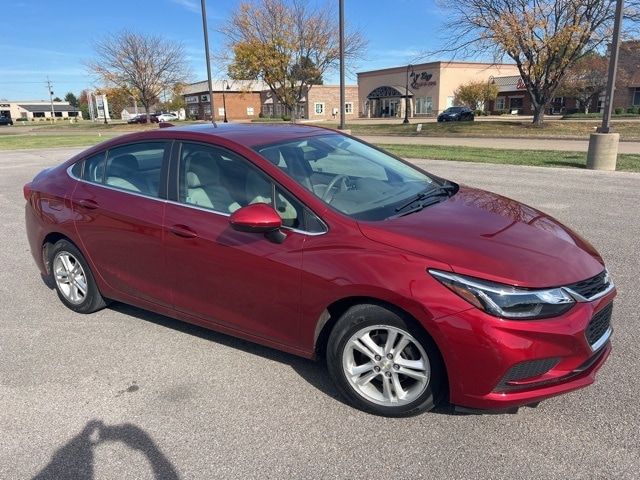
360 317
91 301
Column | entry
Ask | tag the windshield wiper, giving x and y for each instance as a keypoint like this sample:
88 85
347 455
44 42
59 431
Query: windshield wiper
417 208
447 189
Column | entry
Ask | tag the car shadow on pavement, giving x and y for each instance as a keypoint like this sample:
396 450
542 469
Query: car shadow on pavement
75 459
313 372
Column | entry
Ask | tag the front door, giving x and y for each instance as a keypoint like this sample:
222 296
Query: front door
118 215
240 280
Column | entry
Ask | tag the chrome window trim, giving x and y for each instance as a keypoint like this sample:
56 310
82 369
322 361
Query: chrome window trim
602 340
186 205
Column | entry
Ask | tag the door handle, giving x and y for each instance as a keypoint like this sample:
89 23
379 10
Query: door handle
90 204
182 231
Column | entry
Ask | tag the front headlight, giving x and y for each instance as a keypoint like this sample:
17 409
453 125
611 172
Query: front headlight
507 301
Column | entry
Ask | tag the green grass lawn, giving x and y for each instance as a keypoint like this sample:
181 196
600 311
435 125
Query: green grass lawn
20 142
626 162
552 129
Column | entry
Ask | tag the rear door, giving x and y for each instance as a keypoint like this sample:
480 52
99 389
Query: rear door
119 206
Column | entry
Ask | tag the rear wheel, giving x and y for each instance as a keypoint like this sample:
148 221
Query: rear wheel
382 364
73 279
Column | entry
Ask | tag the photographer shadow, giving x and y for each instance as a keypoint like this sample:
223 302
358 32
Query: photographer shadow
75 459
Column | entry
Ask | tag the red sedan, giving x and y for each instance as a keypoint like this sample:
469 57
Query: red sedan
416 290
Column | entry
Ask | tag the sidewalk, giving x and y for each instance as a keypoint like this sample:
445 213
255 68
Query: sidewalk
503 143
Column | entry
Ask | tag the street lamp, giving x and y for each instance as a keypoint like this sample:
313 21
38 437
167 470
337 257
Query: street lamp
224 102
406 98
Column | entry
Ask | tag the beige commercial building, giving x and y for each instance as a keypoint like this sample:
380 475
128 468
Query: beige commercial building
383 93
37 110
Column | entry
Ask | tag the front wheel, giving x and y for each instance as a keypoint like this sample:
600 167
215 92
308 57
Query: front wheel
382 364
73 279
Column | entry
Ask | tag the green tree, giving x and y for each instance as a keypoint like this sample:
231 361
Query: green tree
287 44
72 99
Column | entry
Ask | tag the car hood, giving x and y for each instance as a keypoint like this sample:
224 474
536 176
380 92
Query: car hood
485 235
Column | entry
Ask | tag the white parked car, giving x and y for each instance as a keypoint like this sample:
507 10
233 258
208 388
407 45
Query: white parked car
168 117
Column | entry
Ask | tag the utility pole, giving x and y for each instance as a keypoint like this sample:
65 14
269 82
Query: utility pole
206 52
603 145
342 99
406 98
53 115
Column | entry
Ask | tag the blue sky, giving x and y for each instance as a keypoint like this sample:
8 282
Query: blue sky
54 37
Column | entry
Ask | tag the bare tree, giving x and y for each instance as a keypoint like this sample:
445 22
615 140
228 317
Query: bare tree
288 45
543 37
142 65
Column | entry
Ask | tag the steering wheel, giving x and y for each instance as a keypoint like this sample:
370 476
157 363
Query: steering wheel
327 196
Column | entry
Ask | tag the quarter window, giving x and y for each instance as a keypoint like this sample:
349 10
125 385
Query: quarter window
94 168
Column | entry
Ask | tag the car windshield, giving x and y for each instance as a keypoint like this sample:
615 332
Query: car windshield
350 176
454 109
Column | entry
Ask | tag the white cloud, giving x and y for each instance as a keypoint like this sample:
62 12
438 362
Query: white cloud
190 5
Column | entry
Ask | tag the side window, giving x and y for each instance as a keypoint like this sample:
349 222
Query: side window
136 167
219 180
94 168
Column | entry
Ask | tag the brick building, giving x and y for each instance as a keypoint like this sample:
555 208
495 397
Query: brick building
628 86
241 97
319 102
514 98
246 100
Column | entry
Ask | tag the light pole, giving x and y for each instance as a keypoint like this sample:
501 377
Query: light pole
603 145
225 86
613 67
406 98
206 52
342 99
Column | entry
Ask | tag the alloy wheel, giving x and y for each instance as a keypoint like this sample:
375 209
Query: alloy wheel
386 365
70 277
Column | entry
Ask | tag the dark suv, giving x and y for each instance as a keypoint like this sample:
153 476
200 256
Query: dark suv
6 121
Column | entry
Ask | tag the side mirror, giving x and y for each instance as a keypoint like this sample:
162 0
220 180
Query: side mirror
258 218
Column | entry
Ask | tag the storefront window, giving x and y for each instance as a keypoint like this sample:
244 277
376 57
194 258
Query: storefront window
636 97
424 105
500 103
516 103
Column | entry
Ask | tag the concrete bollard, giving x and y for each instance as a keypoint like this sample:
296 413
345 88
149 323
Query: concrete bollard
603 151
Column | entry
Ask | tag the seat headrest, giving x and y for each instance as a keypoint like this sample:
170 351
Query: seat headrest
202 169
126 162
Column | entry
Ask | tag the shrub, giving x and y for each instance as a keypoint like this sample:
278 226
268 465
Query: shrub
286 118
618 110
22 119
633 110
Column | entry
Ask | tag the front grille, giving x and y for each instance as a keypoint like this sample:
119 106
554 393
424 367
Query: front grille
599 324
591 286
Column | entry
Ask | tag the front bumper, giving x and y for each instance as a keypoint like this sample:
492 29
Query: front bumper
498 364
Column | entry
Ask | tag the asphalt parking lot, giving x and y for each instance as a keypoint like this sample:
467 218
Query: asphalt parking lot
128 394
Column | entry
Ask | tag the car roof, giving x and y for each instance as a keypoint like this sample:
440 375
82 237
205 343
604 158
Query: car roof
252 134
